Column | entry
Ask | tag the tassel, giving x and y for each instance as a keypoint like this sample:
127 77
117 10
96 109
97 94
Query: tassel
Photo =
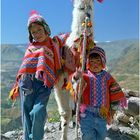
82 108
103 112
14 93
45 80
69 86
33 12
123 102
100 1
65 83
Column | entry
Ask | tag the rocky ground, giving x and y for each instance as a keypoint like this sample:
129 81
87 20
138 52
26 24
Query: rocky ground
125 126
52 132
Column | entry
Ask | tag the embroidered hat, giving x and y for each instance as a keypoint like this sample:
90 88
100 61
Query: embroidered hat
99 51
35 17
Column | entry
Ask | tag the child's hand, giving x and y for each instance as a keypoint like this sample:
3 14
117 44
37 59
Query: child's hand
78 73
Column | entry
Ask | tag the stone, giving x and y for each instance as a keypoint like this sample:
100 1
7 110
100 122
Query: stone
133 106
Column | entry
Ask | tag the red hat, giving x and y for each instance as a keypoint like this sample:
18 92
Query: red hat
37 18
101 53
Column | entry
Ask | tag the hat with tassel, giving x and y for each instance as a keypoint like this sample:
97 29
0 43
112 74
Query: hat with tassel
35 17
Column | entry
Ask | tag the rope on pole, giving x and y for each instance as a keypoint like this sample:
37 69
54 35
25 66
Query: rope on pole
81 78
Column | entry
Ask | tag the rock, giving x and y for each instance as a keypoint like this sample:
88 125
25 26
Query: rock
123 133
3 137
129 132
133 93
123 118
9 134
133 106
124 128
13 135
51 127
13 125
126 92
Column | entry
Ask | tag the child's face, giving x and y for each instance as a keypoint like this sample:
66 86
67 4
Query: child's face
95 64
38 32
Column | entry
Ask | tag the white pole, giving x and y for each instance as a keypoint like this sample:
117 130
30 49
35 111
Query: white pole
81 79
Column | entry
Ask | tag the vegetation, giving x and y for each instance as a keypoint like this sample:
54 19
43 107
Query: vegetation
128 81
53 116
123 63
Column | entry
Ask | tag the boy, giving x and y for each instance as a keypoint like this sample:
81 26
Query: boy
100 97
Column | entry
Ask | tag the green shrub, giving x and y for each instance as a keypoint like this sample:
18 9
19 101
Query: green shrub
53 116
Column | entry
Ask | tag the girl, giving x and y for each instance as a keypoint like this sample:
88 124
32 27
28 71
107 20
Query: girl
36 76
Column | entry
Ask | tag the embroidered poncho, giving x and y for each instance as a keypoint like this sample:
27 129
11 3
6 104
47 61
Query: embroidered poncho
42 60
101 90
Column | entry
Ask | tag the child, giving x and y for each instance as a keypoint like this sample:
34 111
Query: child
100 97
36 77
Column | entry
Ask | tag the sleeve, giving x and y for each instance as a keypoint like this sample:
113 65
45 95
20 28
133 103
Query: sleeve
116 94
63 38
28 50
56 49
58 41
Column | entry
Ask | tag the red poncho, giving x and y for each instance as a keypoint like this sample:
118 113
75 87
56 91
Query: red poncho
42 60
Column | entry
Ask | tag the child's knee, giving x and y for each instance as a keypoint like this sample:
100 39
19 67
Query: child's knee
39 112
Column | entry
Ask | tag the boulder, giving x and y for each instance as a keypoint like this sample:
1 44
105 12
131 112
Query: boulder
133 106
133 93
123 118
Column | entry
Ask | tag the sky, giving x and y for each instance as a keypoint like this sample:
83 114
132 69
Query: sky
113 19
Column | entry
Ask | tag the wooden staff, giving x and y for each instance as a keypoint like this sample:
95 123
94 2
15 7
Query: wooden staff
81 78
83 67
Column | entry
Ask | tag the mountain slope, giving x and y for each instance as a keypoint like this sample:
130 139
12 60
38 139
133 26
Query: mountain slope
10 52
114 49
128 61
122 59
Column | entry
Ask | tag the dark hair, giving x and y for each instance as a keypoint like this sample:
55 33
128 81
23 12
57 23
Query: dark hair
94 55
30 37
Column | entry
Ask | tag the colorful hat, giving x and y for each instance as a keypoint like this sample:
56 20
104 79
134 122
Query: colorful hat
37 18
101 52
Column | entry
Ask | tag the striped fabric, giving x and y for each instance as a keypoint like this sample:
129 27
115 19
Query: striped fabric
101 52
35 17
98 88
69 56
63 37
42 60
102 91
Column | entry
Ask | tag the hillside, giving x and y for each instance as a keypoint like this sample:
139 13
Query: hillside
128 62
122 59
126 68
11 58
10 52
123 62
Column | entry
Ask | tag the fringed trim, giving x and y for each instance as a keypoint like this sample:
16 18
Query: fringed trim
14 93
123 102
